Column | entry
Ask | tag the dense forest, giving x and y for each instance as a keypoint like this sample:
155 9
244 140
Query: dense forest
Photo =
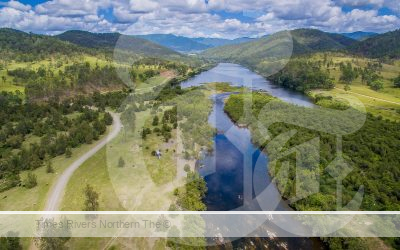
302 75
372 151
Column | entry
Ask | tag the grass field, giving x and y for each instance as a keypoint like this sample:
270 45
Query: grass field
94 172
131 186
144 87
145 182
23 199
385 102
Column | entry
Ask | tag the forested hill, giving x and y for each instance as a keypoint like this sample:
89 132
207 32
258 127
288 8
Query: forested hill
21 46
311 40
304 41
109 41
380 46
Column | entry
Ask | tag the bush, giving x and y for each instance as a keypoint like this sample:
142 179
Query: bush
376 85
121 162
31 181
68 153
49 167
155 121
186 168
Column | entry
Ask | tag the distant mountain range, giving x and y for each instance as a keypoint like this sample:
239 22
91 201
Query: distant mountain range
187 45
215 42
177 43
360 35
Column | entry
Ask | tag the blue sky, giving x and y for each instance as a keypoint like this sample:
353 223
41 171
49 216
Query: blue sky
198 18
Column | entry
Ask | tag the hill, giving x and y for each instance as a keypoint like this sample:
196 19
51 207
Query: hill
108 41
312 40
360 35
380 46
21 46
304 41
177 43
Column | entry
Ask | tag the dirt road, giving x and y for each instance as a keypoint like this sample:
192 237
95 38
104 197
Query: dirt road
58 189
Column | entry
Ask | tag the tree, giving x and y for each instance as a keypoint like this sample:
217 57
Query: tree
396 82
68 152
186 168
121 162
10 242
155 121
49 167
348 73
91 199
31 180
376 85
54 237
108 120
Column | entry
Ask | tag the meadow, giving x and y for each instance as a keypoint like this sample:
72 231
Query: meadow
384 102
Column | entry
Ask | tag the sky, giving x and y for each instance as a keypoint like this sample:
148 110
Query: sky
200 18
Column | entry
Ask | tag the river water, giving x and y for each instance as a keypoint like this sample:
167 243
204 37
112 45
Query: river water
237 169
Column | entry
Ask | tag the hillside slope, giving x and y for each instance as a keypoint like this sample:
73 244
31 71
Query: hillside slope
304 41
311 40
108 41
380 46
18 45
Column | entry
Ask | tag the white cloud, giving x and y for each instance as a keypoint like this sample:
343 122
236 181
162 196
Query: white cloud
18 6
194 18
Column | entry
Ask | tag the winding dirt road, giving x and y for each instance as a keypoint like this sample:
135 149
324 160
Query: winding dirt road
58 189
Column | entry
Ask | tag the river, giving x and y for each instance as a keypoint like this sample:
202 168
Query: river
232 172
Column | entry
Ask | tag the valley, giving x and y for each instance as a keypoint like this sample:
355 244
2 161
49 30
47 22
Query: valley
184 116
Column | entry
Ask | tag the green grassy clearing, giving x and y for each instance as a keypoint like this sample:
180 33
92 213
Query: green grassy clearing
376 102
145 182
93 172
144 87
130 186
23 199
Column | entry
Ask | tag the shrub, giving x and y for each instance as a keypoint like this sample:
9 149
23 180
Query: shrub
31 181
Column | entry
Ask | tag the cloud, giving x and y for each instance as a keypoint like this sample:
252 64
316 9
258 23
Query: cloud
199 18
18 6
